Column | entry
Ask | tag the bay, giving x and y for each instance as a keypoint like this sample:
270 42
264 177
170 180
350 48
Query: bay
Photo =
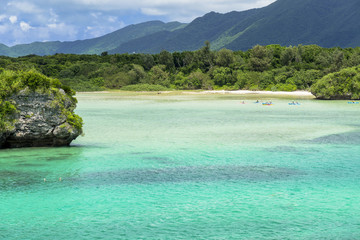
190 167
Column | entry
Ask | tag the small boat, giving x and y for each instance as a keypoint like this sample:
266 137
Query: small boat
353 102
267 103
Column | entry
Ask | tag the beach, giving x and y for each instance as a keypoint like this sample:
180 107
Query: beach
244 93
248 92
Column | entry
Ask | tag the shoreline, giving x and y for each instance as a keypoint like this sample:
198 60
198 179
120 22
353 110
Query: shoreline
248 92
209 92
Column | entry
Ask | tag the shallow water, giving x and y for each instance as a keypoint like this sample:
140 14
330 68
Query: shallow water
190 167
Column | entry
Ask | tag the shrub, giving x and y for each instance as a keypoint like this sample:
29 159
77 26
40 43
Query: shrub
144 87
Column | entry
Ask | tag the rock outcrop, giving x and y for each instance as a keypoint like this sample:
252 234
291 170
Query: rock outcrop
40 121
39 118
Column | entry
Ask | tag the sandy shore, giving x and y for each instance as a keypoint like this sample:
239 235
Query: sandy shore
244 92
211 92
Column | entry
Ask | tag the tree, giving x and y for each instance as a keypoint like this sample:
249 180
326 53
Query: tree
206 57
166 58
147 61
260 58
289 56
137 74
117 81
199 80
225 57
159 76
344 84
337 60
223 76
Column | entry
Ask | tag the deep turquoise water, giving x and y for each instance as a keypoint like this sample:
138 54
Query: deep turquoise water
190 167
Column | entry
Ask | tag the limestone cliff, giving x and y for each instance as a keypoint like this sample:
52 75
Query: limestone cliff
39 117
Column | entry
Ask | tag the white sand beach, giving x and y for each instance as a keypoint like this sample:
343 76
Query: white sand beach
302 94
244 92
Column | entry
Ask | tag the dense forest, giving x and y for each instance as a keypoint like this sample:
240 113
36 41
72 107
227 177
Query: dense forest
330 73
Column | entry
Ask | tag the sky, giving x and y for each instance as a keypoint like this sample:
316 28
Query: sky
26 21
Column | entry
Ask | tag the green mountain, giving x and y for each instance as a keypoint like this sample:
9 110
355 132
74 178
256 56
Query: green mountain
4 50
91 46
210 27
327 23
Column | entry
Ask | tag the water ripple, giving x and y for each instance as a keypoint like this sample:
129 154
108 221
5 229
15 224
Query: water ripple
190 174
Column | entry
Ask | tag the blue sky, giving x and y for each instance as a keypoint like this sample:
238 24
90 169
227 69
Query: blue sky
26 21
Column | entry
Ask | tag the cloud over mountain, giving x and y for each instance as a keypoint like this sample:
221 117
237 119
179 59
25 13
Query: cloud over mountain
27 21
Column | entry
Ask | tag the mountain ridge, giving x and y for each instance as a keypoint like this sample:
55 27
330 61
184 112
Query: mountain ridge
327 23
93 45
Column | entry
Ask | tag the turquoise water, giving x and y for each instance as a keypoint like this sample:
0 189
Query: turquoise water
190 167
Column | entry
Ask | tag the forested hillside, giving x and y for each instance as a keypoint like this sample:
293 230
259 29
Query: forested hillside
272 67
326 23
91 46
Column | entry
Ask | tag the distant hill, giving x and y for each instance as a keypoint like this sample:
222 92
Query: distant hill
327 23
210 27
91 46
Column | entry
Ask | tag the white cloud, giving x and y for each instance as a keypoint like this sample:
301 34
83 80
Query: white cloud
13 19
25 7
96 15
25 26
2 17
62 29
3 29
53 16
186 9
26 21
112 19
153 11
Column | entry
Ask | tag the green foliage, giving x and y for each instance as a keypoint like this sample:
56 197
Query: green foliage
282 87
344 84
271 67
199 80
223 76
144 87
35 80
225 58
159 76
73 119
260 58
7 109
12 82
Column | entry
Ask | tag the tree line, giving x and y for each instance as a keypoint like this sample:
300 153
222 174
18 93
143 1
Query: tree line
272 67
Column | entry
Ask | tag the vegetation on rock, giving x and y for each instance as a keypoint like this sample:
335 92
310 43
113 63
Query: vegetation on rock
26 97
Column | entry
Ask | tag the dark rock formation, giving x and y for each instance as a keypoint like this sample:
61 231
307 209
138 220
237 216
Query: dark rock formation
42 119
